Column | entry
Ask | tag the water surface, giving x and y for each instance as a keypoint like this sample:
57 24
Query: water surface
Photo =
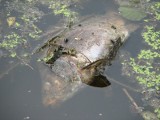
21 97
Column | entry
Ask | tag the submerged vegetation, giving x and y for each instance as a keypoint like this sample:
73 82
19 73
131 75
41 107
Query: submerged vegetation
132 13
62 8
23 18
11 42
146 66
136 10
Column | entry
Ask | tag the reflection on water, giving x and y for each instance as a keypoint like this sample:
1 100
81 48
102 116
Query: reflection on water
21 94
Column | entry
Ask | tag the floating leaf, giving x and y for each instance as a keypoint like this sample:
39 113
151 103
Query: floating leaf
11 21
133 14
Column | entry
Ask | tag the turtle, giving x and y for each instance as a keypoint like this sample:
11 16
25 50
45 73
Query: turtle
78 55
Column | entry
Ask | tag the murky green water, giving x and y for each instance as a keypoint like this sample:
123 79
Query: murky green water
20 89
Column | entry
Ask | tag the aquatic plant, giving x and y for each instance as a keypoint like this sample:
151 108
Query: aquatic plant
25 25
11 42
62 8
11 21
146 66
134 14
157 111
136 10
21 29
156 10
